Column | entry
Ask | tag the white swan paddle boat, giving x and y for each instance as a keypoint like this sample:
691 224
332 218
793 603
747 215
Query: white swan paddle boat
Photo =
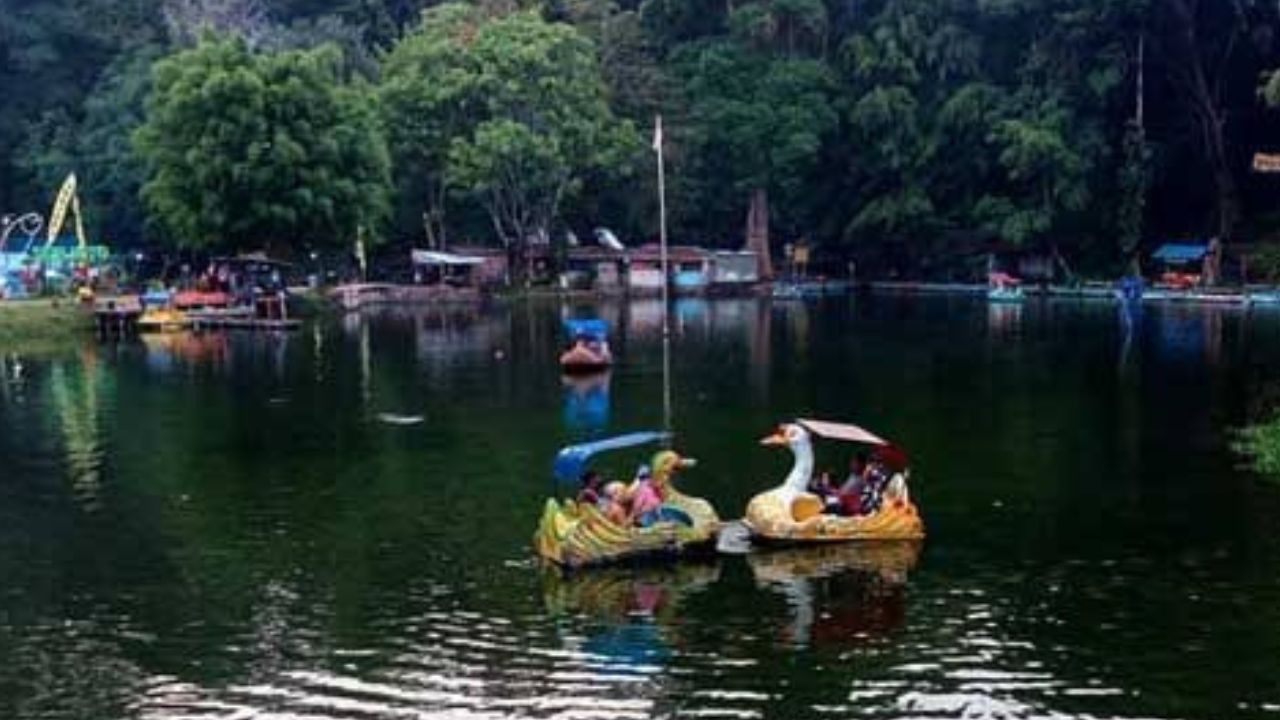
789 513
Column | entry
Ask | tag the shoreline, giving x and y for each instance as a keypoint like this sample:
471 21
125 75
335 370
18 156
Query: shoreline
1242 296
43 326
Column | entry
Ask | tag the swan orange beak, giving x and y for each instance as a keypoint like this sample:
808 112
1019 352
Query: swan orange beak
774 440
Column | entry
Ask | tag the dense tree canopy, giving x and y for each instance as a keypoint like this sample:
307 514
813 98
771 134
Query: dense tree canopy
248 150
510 111
902 132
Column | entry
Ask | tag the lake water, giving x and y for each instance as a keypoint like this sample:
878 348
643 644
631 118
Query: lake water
258 527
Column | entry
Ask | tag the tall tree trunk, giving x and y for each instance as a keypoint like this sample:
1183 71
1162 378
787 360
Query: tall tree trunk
1192 77
758 232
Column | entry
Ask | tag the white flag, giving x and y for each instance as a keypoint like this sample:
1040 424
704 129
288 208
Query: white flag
657 133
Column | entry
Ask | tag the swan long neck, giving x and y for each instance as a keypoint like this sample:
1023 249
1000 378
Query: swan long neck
801 470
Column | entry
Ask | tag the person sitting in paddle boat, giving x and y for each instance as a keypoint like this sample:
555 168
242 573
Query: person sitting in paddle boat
863 491
591 487
613 503
648 501
645 498
826 491
850 493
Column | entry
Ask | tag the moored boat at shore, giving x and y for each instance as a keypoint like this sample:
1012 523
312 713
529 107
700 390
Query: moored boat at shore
159 313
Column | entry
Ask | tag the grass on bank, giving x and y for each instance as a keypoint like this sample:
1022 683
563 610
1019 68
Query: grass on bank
42 325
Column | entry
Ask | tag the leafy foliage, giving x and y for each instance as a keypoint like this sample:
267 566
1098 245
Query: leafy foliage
510 111
1261 444
246 150
900 130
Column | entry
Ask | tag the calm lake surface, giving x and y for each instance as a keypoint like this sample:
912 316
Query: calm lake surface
250 527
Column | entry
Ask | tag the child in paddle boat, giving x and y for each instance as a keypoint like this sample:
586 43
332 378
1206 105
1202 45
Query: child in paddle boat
613 503
645 499
875 478
590 492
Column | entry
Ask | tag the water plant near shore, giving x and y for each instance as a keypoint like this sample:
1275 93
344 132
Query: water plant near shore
1260 443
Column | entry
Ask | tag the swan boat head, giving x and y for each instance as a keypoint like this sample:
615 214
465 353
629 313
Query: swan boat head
794 437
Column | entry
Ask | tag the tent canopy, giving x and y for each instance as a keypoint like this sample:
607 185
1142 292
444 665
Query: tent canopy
431 257
1181 252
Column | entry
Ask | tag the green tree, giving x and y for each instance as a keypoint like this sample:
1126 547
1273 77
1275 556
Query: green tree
758 119
249 150
99 149
53 55
510 111
429 99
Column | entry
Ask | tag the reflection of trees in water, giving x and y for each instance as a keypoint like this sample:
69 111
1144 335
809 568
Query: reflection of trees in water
840 594
1192 332
796 324
644 319
75 389
1004 320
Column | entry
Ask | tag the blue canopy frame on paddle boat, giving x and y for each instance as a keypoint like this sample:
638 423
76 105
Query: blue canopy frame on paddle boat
573 460
575 534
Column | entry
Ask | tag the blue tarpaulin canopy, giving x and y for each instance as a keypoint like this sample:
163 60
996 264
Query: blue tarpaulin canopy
1181 252
593 328
571 461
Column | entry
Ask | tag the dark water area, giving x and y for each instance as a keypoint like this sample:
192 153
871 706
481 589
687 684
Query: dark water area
255 527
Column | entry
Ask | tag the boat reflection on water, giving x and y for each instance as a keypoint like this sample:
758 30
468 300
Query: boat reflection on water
586 402
166 349
1004 320
841 595
635 610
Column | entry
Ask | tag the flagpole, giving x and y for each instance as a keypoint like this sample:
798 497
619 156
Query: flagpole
666 278
662 220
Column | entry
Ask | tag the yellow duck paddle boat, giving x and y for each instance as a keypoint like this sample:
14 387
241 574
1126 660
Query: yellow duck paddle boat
576 534
790 513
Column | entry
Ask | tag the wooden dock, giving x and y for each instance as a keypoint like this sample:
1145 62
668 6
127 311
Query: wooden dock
117 316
